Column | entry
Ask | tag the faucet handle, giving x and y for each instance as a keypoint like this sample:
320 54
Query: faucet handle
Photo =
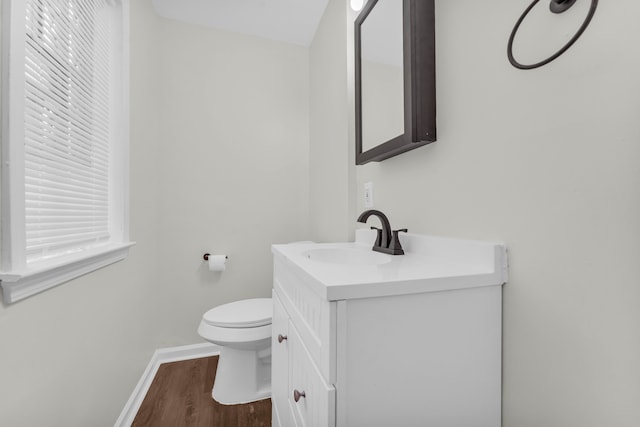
395 246
378 236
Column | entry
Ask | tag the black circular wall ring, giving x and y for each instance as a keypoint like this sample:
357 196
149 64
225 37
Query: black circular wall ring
592 10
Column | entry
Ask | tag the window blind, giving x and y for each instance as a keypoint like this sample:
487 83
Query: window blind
67 131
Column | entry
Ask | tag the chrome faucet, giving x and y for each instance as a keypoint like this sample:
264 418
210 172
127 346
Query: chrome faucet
387 240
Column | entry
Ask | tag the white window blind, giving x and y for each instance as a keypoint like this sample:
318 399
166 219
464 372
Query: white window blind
67 116
65 141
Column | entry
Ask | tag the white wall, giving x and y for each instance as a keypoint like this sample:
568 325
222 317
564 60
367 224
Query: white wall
331 188
71 355
234 111
547 161
219 162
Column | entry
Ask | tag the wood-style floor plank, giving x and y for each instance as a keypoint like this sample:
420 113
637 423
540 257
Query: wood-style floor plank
180 396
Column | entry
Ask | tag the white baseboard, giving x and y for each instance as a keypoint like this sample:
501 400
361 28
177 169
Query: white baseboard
160 356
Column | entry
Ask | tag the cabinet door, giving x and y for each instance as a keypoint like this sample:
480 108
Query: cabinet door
312 399
281 412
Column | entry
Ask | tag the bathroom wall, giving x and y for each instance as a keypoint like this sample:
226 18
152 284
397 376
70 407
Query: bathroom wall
234 111
219 162
547 161
331 182
71 356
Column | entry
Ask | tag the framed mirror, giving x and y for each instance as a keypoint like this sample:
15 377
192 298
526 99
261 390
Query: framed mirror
395 90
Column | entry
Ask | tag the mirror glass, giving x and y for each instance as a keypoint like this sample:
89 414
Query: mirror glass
382 75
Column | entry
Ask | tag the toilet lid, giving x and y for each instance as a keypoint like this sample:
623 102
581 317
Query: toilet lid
249 313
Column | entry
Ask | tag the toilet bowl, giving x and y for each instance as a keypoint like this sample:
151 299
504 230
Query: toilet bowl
242 329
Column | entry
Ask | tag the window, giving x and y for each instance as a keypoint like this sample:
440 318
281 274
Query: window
64 141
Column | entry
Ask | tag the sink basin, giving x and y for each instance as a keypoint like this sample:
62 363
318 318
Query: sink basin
347 256
351 270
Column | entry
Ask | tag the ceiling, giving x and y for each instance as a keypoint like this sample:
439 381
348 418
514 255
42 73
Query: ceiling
290 21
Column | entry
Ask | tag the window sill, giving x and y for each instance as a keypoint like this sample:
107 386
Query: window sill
19 285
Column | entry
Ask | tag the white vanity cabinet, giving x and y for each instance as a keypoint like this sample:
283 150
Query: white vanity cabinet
301 394
379 345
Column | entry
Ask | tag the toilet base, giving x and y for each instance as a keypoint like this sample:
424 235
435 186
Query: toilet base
242 376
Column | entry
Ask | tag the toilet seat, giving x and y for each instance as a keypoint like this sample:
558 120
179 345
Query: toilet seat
249 313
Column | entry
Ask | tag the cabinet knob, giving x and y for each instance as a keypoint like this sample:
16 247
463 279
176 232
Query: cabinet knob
281 338
298 394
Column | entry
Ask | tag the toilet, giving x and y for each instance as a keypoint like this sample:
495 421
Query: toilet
242 329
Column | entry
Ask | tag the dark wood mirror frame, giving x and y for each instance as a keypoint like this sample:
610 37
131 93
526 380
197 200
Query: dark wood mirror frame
419 82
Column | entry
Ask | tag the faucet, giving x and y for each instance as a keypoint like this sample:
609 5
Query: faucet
387 240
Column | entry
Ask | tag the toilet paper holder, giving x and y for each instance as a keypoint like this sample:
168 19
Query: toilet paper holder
206 256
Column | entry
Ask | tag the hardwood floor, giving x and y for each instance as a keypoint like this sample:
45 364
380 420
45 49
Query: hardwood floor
180 396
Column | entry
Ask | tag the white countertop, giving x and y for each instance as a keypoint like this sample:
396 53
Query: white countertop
429 264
